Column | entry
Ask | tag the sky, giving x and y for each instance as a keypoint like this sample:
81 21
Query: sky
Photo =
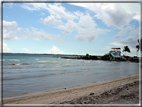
70 28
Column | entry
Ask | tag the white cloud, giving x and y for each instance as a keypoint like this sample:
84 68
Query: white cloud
85 25
87 30
59 11
9 25
55 50
10 31
113 14
56 9
51 20
68 27
130 40
26 50
5 48
87 21
41 34
87 35
34 6
132 8
117 44
9 35
123 32
18 30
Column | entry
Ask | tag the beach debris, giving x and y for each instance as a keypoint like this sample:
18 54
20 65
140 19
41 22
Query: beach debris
91 93
129 96
65 88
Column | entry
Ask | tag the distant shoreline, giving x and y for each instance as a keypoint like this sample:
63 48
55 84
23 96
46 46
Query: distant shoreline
137 61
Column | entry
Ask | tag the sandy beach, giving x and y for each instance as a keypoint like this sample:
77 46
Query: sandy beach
120 91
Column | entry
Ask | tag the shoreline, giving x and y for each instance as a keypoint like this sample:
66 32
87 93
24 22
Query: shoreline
69 94
117 60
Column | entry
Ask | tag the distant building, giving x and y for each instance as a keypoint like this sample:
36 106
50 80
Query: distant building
115 53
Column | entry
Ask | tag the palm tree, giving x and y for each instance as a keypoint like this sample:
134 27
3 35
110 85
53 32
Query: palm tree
126 49
138 47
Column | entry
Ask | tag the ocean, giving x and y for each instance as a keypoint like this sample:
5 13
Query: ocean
25 74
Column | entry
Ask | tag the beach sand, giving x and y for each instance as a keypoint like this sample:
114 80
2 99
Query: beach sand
120 91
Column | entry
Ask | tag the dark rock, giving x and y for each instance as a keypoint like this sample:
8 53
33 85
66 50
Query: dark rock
91 93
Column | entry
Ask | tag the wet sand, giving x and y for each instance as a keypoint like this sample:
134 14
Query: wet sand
120 91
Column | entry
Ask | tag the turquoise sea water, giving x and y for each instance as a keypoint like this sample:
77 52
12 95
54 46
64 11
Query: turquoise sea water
27 73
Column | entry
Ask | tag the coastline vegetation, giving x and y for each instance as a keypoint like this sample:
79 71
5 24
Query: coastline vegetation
106 57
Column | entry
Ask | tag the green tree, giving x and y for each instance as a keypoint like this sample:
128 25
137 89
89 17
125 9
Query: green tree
87 55
105 57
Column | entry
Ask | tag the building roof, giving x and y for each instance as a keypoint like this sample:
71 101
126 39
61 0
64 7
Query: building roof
115 48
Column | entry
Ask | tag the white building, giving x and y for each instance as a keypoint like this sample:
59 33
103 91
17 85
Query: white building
115 53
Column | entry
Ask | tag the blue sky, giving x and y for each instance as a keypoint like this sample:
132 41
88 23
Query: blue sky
70 28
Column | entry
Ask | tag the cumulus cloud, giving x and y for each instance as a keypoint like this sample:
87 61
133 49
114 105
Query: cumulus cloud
55 50
85 27
59 11
41 34
51 20
5 48
9 35
9 25
87 34
18 29
87 30
34 6
132 8
86 21
130 40
69 27
116 16
84 24
113 14
26 50
56 9
10 30
123 32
